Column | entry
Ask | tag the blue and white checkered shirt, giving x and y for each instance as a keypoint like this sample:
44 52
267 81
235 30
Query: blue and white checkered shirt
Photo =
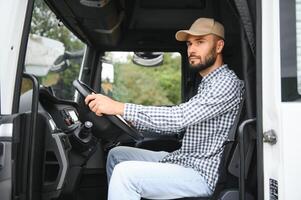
207 118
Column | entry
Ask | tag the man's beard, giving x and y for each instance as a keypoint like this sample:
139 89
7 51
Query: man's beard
208 62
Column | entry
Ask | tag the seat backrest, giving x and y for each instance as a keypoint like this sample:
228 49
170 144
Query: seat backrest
229 171
229 147
232 134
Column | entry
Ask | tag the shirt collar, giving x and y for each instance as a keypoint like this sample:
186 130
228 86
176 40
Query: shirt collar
214 73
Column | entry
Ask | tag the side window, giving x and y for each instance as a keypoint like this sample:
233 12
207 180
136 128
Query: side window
127 81
290 47
53 53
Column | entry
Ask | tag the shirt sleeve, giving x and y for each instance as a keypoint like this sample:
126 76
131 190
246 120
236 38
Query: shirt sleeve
216 99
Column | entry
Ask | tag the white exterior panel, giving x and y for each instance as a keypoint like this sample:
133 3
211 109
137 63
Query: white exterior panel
271 94
291 149
12 17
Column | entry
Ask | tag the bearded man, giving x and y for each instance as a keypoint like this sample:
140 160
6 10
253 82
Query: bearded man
192 170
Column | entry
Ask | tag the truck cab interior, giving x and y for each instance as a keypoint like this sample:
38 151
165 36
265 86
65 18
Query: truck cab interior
70 153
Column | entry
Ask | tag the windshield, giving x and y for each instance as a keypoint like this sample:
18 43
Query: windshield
126 81
54 54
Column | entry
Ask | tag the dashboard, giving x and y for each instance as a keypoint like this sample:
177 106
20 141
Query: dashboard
68 134
70 117
63 113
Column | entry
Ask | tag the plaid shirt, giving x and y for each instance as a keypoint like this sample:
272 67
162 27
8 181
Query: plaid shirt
207 118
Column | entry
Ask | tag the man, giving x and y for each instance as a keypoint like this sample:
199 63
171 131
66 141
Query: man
207 117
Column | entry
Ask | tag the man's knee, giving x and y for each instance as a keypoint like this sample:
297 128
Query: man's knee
125 172
117 150
119 169
115 153
124 181
112 160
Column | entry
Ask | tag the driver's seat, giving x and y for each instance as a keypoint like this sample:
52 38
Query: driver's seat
230 164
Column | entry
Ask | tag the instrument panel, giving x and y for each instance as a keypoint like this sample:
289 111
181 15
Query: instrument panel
64 113
70 116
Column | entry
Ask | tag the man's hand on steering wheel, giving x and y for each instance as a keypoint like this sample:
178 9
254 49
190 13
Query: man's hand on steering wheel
101 104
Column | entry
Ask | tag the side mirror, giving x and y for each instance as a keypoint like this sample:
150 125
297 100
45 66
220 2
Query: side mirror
148 59
43 54
62 62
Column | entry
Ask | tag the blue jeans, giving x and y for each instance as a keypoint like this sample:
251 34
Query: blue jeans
134 173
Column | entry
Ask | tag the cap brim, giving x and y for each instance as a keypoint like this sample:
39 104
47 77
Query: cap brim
182 35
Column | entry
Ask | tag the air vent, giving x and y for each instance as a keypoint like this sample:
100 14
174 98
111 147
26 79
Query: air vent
52 167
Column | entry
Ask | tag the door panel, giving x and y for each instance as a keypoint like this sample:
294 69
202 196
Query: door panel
5 170
7 124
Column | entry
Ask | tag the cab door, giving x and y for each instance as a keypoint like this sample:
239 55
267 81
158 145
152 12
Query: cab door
17 149
13 17
281 105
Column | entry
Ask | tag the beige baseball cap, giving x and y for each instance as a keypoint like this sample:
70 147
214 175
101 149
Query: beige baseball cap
202 26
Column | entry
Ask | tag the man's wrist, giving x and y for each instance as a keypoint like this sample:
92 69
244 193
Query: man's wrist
120 108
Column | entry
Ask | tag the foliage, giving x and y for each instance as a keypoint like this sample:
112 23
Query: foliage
45 23
148 85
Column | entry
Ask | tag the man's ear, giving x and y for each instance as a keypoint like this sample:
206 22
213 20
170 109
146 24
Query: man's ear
219 46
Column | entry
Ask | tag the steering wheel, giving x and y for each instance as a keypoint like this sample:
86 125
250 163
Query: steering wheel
117 120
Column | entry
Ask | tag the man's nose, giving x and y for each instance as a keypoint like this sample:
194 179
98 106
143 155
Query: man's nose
191 49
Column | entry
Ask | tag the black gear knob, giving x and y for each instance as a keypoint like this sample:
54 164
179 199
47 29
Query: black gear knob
85 130
88 125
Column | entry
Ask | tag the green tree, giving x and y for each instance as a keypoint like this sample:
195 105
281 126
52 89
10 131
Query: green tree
148 86
45 23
